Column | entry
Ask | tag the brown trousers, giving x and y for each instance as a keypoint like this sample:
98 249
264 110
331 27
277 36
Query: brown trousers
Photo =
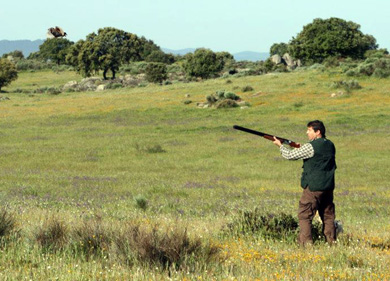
310 202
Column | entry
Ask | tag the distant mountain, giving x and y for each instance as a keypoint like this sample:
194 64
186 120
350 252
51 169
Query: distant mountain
178 52
248 55
26 46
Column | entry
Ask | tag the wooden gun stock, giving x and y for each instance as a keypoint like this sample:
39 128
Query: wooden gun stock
267 136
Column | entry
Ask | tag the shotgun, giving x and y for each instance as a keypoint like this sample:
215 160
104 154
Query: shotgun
267 136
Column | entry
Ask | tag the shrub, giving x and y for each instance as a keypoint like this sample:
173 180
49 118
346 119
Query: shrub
230 95
156 72
92 239
203 63
114 86
170 249
347 85
33 64
223 99
247 88
317 66
381 73
269 226
211 99
7 223
53 91
141 202
134 68
331 61
53 235
226 103
372 66
156 148
8 72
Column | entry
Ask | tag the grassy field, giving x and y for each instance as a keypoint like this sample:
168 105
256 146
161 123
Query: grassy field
103 164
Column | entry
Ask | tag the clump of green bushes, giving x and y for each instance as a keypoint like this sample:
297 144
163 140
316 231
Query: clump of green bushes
223 99
131 244
155 148
280 226
346 85
372 66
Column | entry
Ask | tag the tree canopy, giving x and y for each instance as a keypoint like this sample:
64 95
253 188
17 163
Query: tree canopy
278 49
105 51
55 49
331 37
203 63
8 72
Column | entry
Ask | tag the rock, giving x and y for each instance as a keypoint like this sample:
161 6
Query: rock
257 94
89 84
276 59
338 94
70 85
100 88
289 60
187 95
4 98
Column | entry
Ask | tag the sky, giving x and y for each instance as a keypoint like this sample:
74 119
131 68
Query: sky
220 25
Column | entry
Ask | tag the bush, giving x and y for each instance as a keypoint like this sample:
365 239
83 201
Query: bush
92 239
269 226
141 202
247 88
134 68
7 223
114 86
156 72
156 148
8 72
231 96
172 249
331 61
226 103
33 64
346 85
223 99
53 235
53 91
372 66
203 63
211 99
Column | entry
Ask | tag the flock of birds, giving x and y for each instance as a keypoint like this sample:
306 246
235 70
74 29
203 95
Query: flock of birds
55 32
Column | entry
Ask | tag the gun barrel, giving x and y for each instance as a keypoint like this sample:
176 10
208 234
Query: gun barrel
267 136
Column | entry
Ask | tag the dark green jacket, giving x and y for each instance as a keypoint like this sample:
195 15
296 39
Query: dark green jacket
318 171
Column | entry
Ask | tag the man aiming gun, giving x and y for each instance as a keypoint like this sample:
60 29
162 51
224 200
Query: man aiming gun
317 181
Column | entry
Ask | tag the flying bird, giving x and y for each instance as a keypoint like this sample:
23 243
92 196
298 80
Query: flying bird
55 32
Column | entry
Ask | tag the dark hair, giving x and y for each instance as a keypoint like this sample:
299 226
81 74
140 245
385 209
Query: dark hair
317 125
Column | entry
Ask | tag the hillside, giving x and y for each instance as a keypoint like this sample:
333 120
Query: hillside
241 56
28 46
123 183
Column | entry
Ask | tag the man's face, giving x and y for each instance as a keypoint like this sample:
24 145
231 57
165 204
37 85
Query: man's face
311 134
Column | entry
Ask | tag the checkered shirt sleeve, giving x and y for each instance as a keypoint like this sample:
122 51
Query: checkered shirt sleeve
304 152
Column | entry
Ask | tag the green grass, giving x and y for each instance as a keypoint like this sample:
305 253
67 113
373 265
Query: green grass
78 156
